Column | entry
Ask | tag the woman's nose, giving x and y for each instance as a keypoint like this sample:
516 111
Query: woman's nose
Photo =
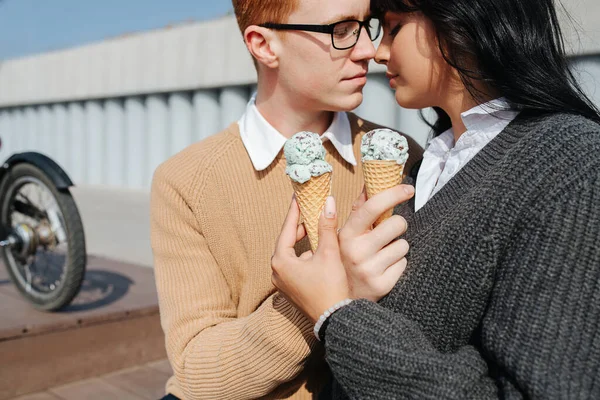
382 54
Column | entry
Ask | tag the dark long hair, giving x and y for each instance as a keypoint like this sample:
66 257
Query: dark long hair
514 47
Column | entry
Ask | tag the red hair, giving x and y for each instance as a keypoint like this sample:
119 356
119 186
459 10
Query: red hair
256 12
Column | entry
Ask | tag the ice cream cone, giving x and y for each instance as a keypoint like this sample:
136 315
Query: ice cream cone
380 175
311 197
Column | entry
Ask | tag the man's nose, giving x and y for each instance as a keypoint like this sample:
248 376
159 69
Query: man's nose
364 48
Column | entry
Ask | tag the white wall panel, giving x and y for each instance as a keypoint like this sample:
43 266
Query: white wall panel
46 132
19 126
233 102
135 154
77 165
207 114
11 140
61 138
115 157
180 121
121 141
32 131
95 148
5 134
157 112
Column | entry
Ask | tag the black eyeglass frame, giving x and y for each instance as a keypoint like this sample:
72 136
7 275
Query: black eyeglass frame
327 29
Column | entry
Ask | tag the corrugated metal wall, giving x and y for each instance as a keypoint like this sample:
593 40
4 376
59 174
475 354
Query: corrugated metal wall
119 141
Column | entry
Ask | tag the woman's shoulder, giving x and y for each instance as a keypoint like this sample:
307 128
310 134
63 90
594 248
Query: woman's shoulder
562 123
560 148
568 134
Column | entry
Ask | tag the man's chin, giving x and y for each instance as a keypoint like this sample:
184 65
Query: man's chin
346 102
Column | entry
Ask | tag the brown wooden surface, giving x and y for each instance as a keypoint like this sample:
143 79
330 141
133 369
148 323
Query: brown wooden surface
93 389
39 396
162 365
111 290
139 383
146 382
112 324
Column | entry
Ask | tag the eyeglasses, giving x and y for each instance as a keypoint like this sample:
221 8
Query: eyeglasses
344 34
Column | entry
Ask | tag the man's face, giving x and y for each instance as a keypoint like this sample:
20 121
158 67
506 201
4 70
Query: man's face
316 75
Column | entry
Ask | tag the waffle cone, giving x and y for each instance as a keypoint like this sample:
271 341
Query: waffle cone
311 197
379 176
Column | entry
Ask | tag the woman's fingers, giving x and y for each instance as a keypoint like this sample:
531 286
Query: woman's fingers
289 231
388 256
362 249
362 219
362 198
328 237
390 277
376 276
385 233
300 232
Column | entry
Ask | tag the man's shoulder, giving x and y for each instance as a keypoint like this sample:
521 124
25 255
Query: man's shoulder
198 159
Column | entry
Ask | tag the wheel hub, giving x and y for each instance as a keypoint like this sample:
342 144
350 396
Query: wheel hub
45 234
25 241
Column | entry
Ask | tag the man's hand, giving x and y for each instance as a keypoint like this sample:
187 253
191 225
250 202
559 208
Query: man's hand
373 259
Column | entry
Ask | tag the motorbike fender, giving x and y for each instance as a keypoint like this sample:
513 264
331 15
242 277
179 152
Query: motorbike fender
56 174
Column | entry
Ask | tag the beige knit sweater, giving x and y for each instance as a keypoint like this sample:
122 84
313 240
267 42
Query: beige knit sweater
214 223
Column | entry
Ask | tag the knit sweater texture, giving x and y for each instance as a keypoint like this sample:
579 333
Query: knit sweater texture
214 224
501 296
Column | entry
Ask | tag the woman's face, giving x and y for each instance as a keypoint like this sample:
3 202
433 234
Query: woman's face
415 66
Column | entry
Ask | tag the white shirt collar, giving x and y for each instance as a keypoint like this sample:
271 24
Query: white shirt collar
443 158
483 123
263 142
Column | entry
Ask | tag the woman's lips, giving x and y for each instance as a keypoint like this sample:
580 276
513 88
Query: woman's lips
392 79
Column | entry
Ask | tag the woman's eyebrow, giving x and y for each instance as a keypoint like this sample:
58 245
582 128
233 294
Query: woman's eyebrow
393 19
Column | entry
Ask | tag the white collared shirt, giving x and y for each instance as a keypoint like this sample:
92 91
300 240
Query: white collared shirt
443 159
263 142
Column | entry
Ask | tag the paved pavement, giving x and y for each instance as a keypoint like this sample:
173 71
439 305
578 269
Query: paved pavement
116 222
145 382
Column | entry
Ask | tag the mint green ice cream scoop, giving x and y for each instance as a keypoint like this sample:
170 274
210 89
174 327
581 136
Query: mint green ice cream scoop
384 144
305 157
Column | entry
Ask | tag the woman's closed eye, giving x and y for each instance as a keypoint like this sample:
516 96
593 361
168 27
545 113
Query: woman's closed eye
394 31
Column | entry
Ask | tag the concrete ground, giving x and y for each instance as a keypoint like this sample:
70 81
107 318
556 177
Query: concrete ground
116 222
144 382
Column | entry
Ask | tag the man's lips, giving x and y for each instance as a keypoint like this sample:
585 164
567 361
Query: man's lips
360 75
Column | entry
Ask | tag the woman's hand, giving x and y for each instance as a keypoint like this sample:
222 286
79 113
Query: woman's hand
373 259
368 265
313 283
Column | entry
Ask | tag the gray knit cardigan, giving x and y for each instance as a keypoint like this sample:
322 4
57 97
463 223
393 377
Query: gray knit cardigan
501 296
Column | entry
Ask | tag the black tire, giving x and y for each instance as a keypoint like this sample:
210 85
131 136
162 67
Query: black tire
76 258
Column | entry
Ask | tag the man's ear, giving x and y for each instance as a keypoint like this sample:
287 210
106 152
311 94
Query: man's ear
263 44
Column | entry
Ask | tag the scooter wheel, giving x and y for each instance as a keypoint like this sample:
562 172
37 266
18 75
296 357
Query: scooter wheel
48 271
